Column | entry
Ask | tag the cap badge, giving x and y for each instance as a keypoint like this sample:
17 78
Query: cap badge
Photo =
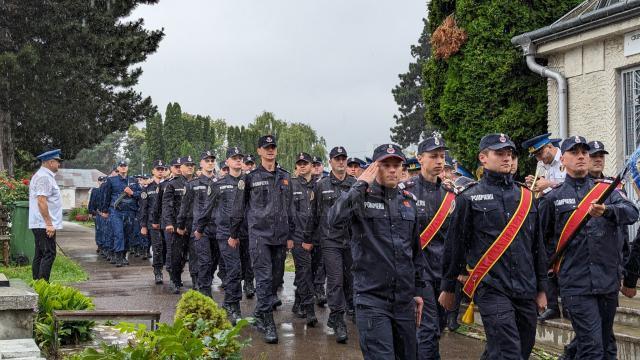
269 139
436 141
390 149
596 145
339 149
577 139
301 157
503 138
189 158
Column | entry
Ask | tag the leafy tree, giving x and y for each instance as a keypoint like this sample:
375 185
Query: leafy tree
154 139
408 95
67 67
486 87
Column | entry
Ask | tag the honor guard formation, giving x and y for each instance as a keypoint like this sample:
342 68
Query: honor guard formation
392 246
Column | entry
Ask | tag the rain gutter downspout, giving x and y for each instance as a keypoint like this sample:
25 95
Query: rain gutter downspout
529 50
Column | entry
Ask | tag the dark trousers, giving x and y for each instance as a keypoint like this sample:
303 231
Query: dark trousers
433 321
387 334
339 278
510 324
265 259
99 224
179 252
553 293
205 248
304 277
317 268
123 230
279 280
44 256
245 260
592 320
157 245
233 272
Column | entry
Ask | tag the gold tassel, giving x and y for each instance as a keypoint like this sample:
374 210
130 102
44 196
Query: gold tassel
467 318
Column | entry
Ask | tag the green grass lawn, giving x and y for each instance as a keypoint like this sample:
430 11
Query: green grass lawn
64 270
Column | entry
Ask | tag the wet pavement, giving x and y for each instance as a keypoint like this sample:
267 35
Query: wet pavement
132 288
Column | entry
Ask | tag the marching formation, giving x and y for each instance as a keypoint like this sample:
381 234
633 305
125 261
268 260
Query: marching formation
392 244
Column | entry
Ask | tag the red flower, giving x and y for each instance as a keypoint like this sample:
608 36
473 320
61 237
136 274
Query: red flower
25 181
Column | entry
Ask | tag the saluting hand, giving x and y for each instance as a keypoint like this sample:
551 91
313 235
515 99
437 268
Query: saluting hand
369 174
596 210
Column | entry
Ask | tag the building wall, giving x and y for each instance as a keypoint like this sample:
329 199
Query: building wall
593 73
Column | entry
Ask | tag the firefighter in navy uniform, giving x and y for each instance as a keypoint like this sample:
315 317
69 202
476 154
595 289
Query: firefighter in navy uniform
217 211
172 196
191 205
302 187
248 165
317 264
494 232
336 252
388 264
151 198
264 197
434 206
588 271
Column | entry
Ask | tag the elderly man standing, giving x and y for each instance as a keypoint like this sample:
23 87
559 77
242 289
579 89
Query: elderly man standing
45 213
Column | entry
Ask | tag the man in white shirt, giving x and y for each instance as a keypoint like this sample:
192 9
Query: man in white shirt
45 213
550 170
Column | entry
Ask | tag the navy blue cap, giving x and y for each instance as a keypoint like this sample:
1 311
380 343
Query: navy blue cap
207 154
386 151
175 162
431 143
266 140
316 160
536 143
355 160
496 142
413 164
187 160
233 151
249 159
159 164
50 155
571 142
597 147
303 156
337 151
222 165
122 163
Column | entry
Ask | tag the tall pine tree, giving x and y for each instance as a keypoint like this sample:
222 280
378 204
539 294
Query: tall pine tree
67 67
174 134
410 123
154 139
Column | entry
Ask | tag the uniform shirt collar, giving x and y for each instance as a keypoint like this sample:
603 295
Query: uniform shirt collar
48 172
495 178
556 160
576 181
428 184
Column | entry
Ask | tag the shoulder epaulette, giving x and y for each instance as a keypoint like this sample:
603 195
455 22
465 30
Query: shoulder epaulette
459 190
407 184
606 180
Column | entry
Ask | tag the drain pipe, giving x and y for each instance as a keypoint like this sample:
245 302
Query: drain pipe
530 54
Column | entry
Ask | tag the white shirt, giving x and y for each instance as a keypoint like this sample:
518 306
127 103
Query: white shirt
43 183
554 172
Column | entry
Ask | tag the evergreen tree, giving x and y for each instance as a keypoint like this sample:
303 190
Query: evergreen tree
154 139
174 133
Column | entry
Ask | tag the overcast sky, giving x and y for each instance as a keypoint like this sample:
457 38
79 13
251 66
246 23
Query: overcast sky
328 63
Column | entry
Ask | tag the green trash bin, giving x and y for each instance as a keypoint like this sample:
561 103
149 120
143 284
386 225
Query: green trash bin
22 240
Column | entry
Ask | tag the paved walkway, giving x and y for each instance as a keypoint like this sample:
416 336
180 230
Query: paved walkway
132 288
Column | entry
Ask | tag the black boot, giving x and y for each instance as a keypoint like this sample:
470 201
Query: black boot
351 313
296 308
233 312
452 321
113 258
174 287
321 298
194 283
310 313
249 289
206 291
277 302
270 333
158 276
259 321
339 327
123 256
119 262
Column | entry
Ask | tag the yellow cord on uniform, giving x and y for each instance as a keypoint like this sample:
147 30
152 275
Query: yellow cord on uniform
468 318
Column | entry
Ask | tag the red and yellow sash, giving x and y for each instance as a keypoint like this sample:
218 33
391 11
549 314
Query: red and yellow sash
500 245
575 219
438 219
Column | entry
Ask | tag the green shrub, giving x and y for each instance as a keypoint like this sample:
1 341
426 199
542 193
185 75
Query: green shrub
193 306
58 297
77 211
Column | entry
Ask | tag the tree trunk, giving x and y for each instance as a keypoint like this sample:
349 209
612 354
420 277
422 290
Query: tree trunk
7 151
